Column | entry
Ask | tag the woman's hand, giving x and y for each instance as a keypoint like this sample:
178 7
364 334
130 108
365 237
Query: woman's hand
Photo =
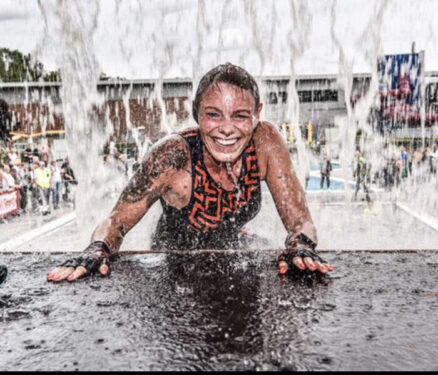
300 254
94 258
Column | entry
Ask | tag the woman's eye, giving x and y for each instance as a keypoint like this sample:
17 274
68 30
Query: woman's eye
242 117
212 114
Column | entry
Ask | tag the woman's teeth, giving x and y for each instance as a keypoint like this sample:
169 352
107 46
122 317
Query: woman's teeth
225 142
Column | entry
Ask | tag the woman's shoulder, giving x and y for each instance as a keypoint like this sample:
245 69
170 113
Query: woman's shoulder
267 135
268 143
172 150
169 142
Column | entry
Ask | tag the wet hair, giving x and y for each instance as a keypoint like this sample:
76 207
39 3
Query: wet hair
227 73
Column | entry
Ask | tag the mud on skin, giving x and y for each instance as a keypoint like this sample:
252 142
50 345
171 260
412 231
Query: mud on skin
168 313
169 155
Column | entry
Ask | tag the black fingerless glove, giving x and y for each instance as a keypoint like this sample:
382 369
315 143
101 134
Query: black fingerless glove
96 254
299 246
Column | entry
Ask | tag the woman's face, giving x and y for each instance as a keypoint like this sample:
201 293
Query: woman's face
227 120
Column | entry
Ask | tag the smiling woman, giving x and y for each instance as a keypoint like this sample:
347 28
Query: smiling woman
207 179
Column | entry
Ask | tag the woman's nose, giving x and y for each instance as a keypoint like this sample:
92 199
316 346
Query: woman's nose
227 131
226 128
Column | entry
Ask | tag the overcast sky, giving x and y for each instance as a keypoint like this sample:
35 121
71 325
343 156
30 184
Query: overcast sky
179 38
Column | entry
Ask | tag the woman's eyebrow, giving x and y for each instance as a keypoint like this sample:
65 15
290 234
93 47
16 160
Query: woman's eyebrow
210 107
242 110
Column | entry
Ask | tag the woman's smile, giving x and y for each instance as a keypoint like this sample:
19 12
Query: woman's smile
227 119
226 142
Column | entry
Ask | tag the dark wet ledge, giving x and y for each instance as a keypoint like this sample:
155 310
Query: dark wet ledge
222 311
227 251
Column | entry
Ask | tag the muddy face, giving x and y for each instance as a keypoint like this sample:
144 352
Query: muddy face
227 119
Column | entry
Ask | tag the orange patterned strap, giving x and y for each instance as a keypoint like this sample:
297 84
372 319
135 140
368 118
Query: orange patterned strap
213 203
212 206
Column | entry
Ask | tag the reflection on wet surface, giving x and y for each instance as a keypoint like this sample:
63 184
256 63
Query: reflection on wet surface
222 312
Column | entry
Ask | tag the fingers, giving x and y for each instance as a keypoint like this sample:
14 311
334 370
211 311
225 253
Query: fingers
282 265
309 263
78 272
104 269
314 265
71 273
321 267
53 272
330 267
298 261
324 267
306 263
60 273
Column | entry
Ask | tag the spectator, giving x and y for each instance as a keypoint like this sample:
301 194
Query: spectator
36 160
42 180
55 183
397 165
404 157
7 179
23 172
418 154
433 160
45 158
32 187
360 173
12 155
27 155
388 179
325 168
36 152
68 177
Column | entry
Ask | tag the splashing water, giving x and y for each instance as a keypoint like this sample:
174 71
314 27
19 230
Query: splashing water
235 181
187 38
184 39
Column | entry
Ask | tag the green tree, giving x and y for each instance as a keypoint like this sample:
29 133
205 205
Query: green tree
103 77
18 67
52 76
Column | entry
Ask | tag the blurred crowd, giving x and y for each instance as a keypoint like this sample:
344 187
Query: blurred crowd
42 181
418 164
421 163
389 169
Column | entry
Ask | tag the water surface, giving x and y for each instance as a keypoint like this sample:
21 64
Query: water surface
222 312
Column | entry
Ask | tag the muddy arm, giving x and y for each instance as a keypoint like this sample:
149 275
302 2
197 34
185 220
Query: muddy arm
289 196
151 180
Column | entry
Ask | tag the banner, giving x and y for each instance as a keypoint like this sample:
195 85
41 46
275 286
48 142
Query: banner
9 202
400 78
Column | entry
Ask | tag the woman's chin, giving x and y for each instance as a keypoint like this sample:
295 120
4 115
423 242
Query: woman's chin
225 157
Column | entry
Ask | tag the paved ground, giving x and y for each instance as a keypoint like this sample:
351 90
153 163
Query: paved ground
15 226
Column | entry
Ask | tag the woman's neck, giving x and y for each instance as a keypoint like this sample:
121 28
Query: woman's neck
220 166
227 172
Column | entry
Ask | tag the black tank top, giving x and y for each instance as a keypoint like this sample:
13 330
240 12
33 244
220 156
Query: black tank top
214 216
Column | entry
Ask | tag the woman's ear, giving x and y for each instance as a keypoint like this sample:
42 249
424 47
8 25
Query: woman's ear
194 112
258 110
